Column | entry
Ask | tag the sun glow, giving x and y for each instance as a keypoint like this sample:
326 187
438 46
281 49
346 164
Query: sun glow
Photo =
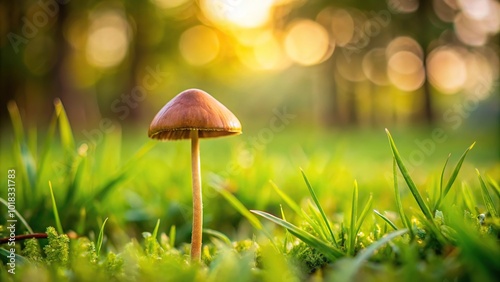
255 32
239 13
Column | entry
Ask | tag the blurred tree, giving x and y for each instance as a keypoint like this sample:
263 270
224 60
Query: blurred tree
49 49
11 67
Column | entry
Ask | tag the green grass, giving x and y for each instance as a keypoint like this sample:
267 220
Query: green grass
122 207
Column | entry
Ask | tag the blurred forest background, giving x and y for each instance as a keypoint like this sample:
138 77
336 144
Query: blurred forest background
332 63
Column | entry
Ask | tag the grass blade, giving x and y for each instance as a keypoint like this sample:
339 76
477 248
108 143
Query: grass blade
287 234
5 257
399 204
468 198
354 218
24 158
391 224
67 139
441 181
109 154
32 144
488 201
317 223
364 213
103 191
155 231
139 154
454 175
432 227
282 213
316 201
101 236
17 122
121 175
413 188
76 178
29 165
19 216
171 236
329 251
54 210
49 137
494 185
294 206
364 255
254 221
218 235
291 203
481 252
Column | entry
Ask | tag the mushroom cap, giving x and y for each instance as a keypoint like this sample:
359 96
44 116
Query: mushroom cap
193 109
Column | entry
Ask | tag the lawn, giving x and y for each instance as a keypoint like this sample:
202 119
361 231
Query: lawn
291 204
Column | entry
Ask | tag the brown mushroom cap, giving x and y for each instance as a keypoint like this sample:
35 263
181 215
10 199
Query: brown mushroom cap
193 109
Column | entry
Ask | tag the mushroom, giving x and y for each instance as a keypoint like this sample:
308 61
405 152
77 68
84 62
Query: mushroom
194 114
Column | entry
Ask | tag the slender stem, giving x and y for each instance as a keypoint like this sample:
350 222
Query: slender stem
196 238
23 237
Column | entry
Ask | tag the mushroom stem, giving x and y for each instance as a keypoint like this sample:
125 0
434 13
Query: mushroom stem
196 237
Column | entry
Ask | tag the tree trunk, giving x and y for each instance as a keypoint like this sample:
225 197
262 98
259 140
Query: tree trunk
424 10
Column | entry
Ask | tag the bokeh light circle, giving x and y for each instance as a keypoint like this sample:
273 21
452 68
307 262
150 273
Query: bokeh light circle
342 26
374 66
469 31
403 6
404 43
447 70
482 71
169 4
306 42
405 71
268 53
107 41
348 65
199 45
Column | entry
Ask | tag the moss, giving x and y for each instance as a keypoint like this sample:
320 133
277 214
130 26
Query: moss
153 248
32 251
309 258
244 245
84 248
57 249
114 265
